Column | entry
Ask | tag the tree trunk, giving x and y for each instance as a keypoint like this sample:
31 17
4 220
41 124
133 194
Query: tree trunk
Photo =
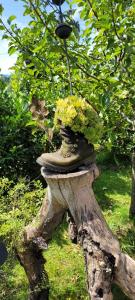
132 206
72 228
104 261
34 240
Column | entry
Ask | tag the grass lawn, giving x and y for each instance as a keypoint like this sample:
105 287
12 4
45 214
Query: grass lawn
65 262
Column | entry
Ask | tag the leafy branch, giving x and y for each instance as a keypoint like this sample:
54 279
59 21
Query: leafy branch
113 20
39 14
94 12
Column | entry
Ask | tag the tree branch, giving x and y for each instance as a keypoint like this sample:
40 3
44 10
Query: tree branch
11 34
94 12
113 19
36 10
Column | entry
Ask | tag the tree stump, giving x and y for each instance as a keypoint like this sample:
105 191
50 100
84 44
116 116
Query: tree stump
105 264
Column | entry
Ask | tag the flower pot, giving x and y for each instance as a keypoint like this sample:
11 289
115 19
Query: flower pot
58 2
63 31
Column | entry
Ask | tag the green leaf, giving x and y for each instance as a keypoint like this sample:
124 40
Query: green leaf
32 23
1 9
31 123
31 72
5 37
11 50
2 27
10 19
39 47
27 11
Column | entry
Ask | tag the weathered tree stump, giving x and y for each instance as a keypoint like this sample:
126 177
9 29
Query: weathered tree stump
104 261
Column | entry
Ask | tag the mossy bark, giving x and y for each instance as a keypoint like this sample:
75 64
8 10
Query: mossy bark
34 240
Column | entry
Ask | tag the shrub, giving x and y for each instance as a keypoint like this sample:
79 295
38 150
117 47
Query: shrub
21 142
19 204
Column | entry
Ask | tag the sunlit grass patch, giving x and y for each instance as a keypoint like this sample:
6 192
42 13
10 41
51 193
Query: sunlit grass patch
65 266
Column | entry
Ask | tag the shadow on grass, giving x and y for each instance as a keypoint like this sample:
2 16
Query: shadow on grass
58 235
106 203
113 183
70 294
127 240
117 295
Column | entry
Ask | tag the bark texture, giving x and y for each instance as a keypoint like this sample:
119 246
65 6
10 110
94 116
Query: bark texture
104 261
72 228
132 206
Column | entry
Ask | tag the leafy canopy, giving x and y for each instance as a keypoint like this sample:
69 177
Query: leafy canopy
101 56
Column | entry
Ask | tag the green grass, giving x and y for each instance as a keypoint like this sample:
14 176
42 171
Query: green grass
65 266
113 190
65 262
